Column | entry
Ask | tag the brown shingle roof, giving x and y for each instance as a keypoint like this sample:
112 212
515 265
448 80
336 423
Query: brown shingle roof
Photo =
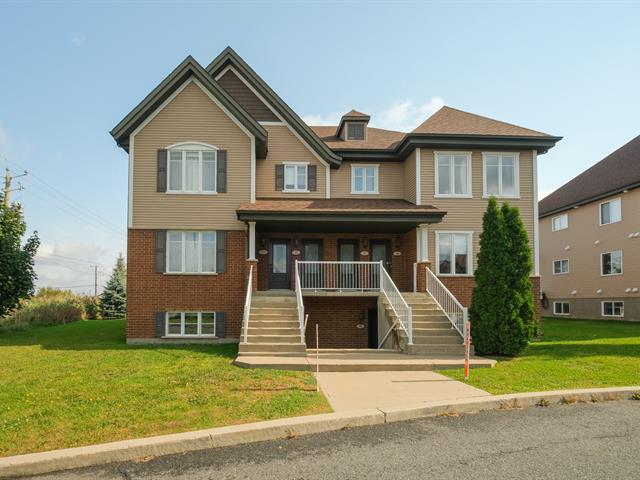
451 121
337 205
355 113
616 172
376 138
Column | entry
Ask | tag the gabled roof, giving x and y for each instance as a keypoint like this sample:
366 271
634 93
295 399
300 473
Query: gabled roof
376 138
353 116
451 121
189 68
356 114
615 173
230 57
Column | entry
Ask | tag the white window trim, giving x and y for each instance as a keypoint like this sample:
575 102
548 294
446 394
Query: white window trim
612 308
469 177
470 256
184 248
600 211
193 146
553 228
621 264
296 190
516 174
182 334
563 314
553 268
376 179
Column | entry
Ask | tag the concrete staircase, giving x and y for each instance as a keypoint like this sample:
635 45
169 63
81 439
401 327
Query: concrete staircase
274 329
432 330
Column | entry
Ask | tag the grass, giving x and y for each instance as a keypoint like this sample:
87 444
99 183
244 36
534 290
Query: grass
571 354
79 384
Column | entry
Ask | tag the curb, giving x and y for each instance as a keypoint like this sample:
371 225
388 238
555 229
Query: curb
126 450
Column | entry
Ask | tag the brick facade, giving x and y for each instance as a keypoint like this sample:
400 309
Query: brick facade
149 292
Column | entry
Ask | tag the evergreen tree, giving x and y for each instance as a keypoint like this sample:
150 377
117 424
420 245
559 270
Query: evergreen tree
17 275
114 296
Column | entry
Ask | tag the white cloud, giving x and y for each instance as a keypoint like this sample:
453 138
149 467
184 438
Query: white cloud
78 40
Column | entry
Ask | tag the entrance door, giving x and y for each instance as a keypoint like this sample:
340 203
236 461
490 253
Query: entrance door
279 265
380 251
373 327
347 252
311 275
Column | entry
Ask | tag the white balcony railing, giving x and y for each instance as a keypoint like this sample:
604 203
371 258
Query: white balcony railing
453 309
300 304
339 276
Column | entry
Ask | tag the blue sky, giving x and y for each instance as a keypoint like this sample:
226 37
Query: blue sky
72 70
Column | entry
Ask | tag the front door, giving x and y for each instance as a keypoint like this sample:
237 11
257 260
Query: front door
347 252
311 274
279 265
380 251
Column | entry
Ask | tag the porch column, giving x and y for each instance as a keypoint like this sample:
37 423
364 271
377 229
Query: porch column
422 258
252 262
424 243
252 241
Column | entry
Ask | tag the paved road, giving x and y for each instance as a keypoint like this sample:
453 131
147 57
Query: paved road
589 441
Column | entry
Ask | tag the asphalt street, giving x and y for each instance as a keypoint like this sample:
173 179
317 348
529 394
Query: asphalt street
582 441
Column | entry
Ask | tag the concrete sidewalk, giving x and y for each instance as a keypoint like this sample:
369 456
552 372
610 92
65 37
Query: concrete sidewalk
348 391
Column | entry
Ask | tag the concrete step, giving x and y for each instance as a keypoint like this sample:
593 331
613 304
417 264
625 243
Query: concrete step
279 323
258 317
271 339
445 330
431 322
276 301
273 310
457 350
246 348
437 340
274 293
259 329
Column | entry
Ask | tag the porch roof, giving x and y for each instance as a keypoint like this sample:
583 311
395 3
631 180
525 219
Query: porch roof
338 215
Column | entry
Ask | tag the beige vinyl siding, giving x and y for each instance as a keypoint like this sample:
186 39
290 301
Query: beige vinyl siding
390 180
190 116
584 254
410 178
465 214
284 146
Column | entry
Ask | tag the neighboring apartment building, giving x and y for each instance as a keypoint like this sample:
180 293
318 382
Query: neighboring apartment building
590 241
227 184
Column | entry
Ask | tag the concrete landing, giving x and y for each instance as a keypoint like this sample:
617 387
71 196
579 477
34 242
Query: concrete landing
361 360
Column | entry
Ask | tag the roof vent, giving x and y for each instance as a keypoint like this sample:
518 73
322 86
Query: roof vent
353 126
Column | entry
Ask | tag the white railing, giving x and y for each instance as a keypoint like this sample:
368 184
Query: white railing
247 305
397 302
339 276
300 304
449 304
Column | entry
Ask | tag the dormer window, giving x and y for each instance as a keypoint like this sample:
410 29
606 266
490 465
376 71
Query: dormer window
353 126
355 131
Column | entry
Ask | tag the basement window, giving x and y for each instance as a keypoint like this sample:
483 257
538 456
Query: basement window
613 309
191 324
561 308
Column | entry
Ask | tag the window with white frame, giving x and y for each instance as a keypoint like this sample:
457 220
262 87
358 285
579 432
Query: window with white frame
191 252
561 308
610 212
192 169
560 222
611 263
613 309
453 251
453 174
501 171
295 177
190 324
560 266
364 178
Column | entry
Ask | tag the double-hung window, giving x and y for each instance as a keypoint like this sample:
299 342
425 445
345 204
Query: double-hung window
610 212
453 174
191 252
613 309
560 266
192 169
295 177
364 179
561 308
453 251
190 324
611 263
501 171
560 222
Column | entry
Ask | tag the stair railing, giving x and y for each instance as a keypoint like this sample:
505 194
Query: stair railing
448 303
397 302
247 305
300 304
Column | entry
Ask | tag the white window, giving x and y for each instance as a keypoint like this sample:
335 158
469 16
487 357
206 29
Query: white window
561 308
192 169
501 171
364 179
611 263
560 266
295 177
453 252
610 212
190 324
613 309
560 222
191 252
453 174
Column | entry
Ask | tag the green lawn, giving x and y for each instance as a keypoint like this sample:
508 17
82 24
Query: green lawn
79 384
571 354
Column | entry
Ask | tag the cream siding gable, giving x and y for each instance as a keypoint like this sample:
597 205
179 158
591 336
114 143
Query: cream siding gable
390 180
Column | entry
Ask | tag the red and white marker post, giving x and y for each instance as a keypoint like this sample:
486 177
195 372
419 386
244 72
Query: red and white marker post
467 350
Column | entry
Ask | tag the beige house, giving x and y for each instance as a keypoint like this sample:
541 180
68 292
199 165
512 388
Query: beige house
590 241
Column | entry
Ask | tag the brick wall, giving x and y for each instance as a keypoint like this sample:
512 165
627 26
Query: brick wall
149 292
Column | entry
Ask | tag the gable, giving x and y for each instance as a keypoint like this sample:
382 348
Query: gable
248 100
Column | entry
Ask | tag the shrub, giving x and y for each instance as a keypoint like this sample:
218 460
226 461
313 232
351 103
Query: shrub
92 307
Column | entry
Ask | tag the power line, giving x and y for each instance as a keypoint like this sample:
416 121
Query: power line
75 259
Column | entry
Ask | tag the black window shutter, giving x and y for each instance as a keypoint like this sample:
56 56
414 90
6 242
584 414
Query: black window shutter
279 178
162 171
161 251
312 181
221 252
221 180
160 324
220 326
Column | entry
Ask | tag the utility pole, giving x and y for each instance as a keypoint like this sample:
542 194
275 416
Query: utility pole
7 185
95 280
